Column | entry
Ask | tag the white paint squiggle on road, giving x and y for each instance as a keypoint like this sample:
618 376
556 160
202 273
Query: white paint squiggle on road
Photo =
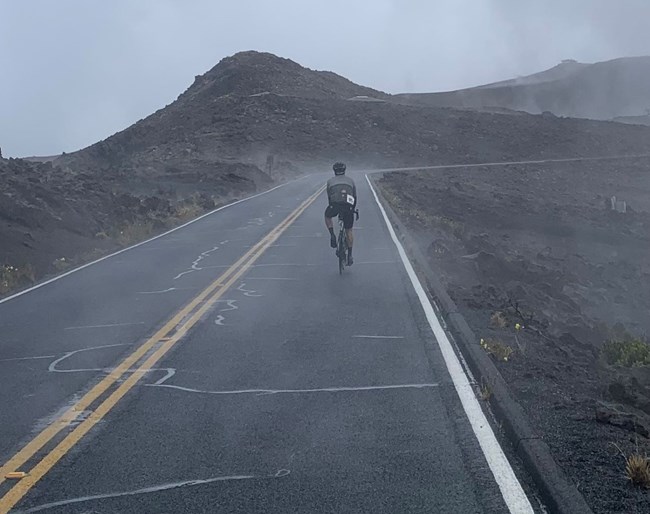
154 489
195 265
230 307
38 357
263 392
52 368
170 373
168 290
247 292
107 325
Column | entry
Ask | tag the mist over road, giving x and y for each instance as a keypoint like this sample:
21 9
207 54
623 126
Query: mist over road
227 366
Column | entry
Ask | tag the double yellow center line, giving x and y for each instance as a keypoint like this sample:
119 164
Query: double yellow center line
151 350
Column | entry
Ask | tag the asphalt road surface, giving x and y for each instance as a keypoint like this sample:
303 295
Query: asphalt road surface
227 367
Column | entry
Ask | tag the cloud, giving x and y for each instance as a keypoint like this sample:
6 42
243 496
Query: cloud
76 71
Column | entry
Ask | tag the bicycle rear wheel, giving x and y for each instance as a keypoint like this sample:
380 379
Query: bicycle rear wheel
342 251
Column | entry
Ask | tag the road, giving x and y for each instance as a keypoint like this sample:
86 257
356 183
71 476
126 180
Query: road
227 367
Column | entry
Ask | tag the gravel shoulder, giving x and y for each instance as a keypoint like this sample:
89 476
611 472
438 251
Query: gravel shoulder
540 246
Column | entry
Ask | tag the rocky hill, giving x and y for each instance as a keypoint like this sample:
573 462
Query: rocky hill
601 91
634 120
51 219
562 71
272 113
253 120
259 73
231 114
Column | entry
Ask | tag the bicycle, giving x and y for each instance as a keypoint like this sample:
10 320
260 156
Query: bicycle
342 244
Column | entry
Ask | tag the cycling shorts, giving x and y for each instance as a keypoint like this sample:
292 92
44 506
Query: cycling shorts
342 210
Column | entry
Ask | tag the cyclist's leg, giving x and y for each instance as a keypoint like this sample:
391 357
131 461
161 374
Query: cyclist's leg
330 212
328 222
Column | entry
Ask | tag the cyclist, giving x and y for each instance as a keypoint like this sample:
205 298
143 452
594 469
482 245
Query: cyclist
342 198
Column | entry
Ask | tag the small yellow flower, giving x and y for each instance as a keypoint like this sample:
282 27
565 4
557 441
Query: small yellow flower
517 326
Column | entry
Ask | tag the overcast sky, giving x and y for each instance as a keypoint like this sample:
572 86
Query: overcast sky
73 72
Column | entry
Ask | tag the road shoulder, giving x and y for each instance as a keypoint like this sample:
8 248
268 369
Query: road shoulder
559 494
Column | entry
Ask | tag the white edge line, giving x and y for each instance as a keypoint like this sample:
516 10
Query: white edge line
58 277
511 490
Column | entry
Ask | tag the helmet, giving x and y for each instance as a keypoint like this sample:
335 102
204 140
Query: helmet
339 168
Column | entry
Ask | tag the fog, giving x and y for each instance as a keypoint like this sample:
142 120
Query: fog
75 71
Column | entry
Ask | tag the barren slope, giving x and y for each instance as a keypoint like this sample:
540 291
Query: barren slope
539 245
253 120
604 91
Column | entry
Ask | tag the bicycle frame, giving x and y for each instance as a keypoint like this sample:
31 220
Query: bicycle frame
342 247
342 243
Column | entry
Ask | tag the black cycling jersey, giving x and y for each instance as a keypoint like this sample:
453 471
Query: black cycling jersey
342 190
